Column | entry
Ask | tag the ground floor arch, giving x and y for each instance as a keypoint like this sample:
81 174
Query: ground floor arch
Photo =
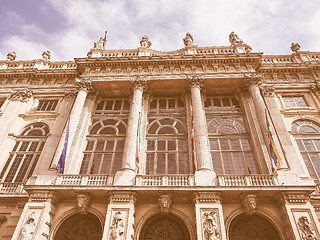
164 227
254 227
80 227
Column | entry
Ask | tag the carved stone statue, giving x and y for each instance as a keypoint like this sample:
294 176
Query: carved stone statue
28 228
250 204
234 39
117 227
209 226
188 40
101 44
83 202
145 43
46 55
305 228
165 203
295 47
11 56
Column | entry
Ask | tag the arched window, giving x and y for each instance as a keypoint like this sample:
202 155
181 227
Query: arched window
229 141
24 156
167 138
307 135
105 142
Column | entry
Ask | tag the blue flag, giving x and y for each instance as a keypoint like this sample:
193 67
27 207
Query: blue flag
275 157
62 159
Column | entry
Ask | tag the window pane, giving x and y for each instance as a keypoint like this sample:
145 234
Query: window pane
161 163
172 164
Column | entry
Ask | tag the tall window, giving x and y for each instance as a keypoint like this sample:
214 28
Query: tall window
229 141
307 135
167 137
25 154
105 142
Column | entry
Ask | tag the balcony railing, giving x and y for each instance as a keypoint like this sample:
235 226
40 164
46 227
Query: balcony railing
246 180
165 180
84 180
10 188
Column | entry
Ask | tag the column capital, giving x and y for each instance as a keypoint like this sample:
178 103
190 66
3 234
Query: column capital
195 81
138 82
252 79
267 90
85 84
21 95
315 87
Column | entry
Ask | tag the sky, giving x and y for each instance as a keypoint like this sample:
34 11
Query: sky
68 28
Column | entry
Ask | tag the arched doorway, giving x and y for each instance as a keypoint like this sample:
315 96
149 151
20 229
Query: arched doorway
253 227
80 227
164 227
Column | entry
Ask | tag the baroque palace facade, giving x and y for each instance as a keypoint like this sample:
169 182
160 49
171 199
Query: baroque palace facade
161 145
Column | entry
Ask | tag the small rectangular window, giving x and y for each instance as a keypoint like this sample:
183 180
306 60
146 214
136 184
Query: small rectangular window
47 105
294 101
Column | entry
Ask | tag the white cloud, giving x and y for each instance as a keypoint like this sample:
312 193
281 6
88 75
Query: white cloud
268 26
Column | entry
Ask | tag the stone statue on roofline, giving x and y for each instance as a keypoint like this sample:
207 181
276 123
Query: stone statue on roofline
188 40
145 43
234 39
11 56
46 55
295 47
101 44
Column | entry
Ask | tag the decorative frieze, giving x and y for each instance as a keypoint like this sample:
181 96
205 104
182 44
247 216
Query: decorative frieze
207 197
21 95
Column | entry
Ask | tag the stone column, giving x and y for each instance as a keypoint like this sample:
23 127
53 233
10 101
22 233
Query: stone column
84 86
127 174
209 216
252 81
298 216
37 217
204 174
120 217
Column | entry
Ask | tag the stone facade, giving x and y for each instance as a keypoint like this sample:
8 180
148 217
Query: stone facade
198 143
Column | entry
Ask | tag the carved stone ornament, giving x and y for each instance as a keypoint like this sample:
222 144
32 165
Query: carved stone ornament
46 55
145 43
249 203
165 203
117 226
101 44
2 219
295 47
210 226
315 87
83 202
267 90
188 40
138 82
306 230
234 39
252 79
195 81
85 84
21 95
11 56
28 228
248 49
